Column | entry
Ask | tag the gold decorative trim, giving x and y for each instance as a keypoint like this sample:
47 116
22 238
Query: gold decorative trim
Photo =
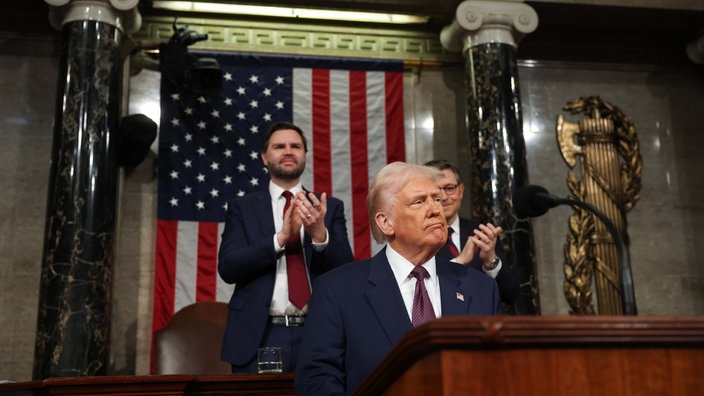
305 39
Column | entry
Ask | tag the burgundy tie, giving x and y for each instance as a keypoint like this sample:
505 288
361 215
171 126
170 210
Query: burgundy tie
422 307
451 246
298 290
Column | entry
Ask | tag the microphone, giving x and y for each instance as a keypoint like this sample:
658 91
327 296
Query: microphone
533 201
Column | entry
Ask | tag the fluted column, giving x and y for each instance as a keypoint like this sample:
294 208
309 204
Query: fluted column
73 324
487 33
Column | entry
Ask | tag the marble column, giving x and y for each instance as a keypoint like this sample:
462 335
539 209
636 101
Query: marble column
487 33
73 324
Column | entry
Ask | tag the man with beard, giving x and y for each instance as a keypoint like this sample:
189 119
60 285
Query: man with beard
275 243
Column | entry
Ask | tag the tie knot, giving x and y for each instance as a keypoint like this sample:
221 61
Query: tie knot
450 231
420 273
287 194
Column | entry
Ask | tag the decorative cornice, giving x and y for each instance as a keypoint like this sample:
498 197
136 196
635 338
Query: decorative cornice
414 47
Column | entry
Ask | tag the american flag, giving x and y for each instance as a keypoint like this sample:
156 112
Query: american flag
351 111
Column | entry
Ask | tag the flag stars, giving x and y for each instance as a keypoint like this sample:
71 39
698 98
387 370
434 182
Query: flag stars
254 181
176 96
200 205
241 168
254 104
254 129
175 121
241 141
267 117
279 105
227 153
279 80
214 193
253 155
188 111
173 202
173 175
240 193
215 114
201 99
174 148
267 92
227 76
200 178
215 139
201 125
187 190
228 101
227 179
188 137
228 127
215 166
201 151
254 79
241 90
188 163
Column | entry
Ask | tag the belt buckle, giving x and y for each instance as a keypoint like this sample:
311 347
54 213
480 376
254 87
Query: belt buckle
286 320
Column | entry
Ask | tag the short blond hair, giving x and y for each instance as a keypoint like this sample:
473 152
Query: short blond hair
386 186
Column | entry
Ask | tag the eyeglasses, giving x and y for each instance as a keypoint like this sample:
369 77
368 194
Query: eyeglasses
450 189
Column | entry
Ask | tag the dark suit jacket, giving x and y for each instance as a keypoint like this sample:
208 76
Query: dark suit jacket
247 258
357 314
507 281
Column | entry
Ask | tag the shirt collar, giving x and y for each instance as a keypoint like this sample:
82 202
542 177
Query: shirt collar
402 267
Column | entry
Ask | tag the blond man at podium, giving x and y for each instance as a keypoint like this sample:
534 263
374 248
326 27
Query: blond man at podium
361 310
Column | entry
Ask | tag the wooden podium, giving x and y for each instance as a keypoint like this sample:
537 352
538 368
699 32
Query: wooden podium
543 356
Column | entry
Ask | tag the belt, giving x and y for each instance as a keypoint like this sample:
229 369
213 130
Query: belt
288 320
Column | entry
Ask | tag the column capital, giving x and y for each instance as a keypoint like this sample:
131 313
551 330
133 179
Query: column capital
479 22
123 14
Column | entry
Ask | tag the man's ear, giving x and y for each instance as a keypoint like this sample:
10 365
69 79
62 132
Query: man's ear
385 224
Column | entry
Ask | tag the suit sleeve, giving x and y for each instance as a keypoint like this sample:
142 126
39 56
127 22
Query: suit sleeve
338 250
320 368
247 246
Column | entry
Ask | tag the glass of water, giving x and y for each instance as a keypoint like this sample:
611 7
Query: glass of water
269 360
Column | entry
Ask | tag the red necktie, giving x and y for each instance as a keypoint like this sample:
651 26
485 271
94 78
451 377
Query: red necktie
422 307
451 246
298 290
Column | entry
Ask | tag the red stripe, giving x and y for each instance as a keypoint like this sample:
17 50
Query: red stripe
359 165
164 276
322 165
206 282
395 141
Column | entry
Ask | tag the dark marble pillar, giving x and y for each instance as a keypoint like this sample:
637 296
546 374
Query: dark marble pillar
73 324
487 33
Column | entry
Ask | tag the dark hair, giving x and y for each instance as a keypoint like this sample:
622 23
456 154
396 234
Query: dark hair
445 164
279 126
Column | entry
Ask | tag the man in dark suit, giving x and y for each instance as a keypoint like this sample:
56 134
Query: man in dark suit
360 310
479 244
265 234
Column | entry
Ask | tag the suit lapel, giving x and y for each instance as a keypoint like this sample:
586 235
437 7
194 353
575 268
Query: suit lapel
385 298
262 212
454 295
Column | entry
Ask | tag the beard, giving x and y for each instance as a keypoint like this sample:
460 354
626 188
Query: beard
285 174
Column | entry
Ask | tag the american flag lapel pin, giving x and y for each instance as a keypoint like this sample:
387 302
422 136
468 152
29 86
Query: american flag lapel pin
460 296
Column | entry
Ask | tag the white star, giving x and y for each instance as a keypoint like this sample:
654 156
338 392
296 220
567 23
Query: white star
228 102
241 90
267 117
254 181
201 125
188 137
174 175
240 115
201 99
175 121
241 168
187 190
227 76
200 177
200 205
188 111
187 163
254 129
214 193
175 96
173 202
174 148
240 193
201 151
224 206
279 105
241 141
228 127
279 80
215 139
267 92
227 179
215 114
215 166
254 104
253 79
228 153
253 155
